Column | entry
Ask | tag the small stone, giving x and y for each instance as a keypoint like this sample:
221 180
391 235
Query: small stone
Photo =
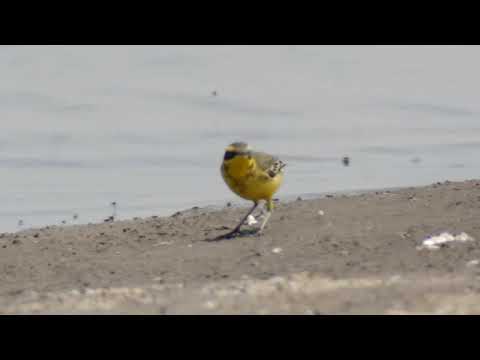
277 250
321 212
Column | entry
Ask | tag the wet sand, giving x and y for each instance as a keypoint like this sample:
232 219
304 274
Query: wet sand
341 254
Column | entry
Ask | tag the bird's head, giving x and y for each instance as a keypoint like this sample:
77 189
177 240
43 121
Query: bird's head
238 157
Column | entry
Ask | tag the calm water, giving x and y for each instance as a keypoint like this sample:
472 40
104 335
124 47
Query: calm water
83 126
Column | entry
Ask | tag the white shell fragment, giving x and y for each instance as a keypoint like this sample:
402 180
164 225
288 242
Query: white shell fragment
277 250
321 212
251 220
434 242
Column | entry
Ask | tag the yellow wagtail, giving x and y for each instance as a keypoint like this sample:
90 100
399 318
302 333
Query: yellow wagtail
253 176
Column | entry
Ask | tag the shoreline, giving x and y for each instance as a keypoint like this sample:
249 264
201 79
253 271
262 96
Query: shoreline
343 253
243 204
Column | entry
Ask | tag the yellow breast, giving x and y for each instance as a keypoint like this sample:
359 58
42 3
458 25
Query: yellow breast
246 180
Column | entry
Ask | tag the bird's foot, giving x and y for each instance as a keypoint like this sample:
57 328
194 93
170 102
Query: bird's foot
259 232
237 233
230 235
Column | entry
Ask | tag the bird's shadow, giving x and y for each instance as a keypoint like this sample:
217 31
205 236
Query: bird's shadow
239 234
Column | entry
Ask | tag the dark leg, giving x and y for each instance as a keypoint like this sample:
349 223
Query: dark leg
237 228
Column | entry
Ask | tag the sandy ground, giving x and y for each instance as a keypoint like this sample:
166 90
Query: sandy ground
340 254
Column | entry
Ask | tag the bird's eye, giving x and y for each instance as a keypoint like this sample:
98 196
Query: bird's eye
229 155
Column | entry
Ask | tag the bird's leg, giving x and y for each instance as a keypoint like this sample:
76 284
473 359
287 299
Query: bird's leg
237 228
262 212
269 206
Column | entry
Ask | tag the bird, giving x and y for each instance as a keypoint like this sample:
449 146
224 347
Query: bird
253 176
114 214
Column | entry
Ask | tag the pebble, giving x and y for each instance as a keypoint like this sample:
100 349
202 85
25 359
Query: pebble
321 212
277 250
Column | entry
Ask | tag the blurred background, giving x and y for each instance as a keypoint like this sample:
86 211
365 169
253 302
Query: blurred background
146 126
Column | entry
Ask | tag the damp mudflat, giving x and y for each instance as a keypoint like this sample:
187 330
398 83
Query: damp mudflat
145 126
346 254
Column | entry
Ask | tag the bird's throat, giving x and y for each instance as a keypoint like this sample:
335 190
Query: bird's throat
240 167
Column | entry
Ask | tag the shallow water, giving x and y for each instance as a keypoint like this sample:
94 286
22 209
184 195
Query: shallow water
83 126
